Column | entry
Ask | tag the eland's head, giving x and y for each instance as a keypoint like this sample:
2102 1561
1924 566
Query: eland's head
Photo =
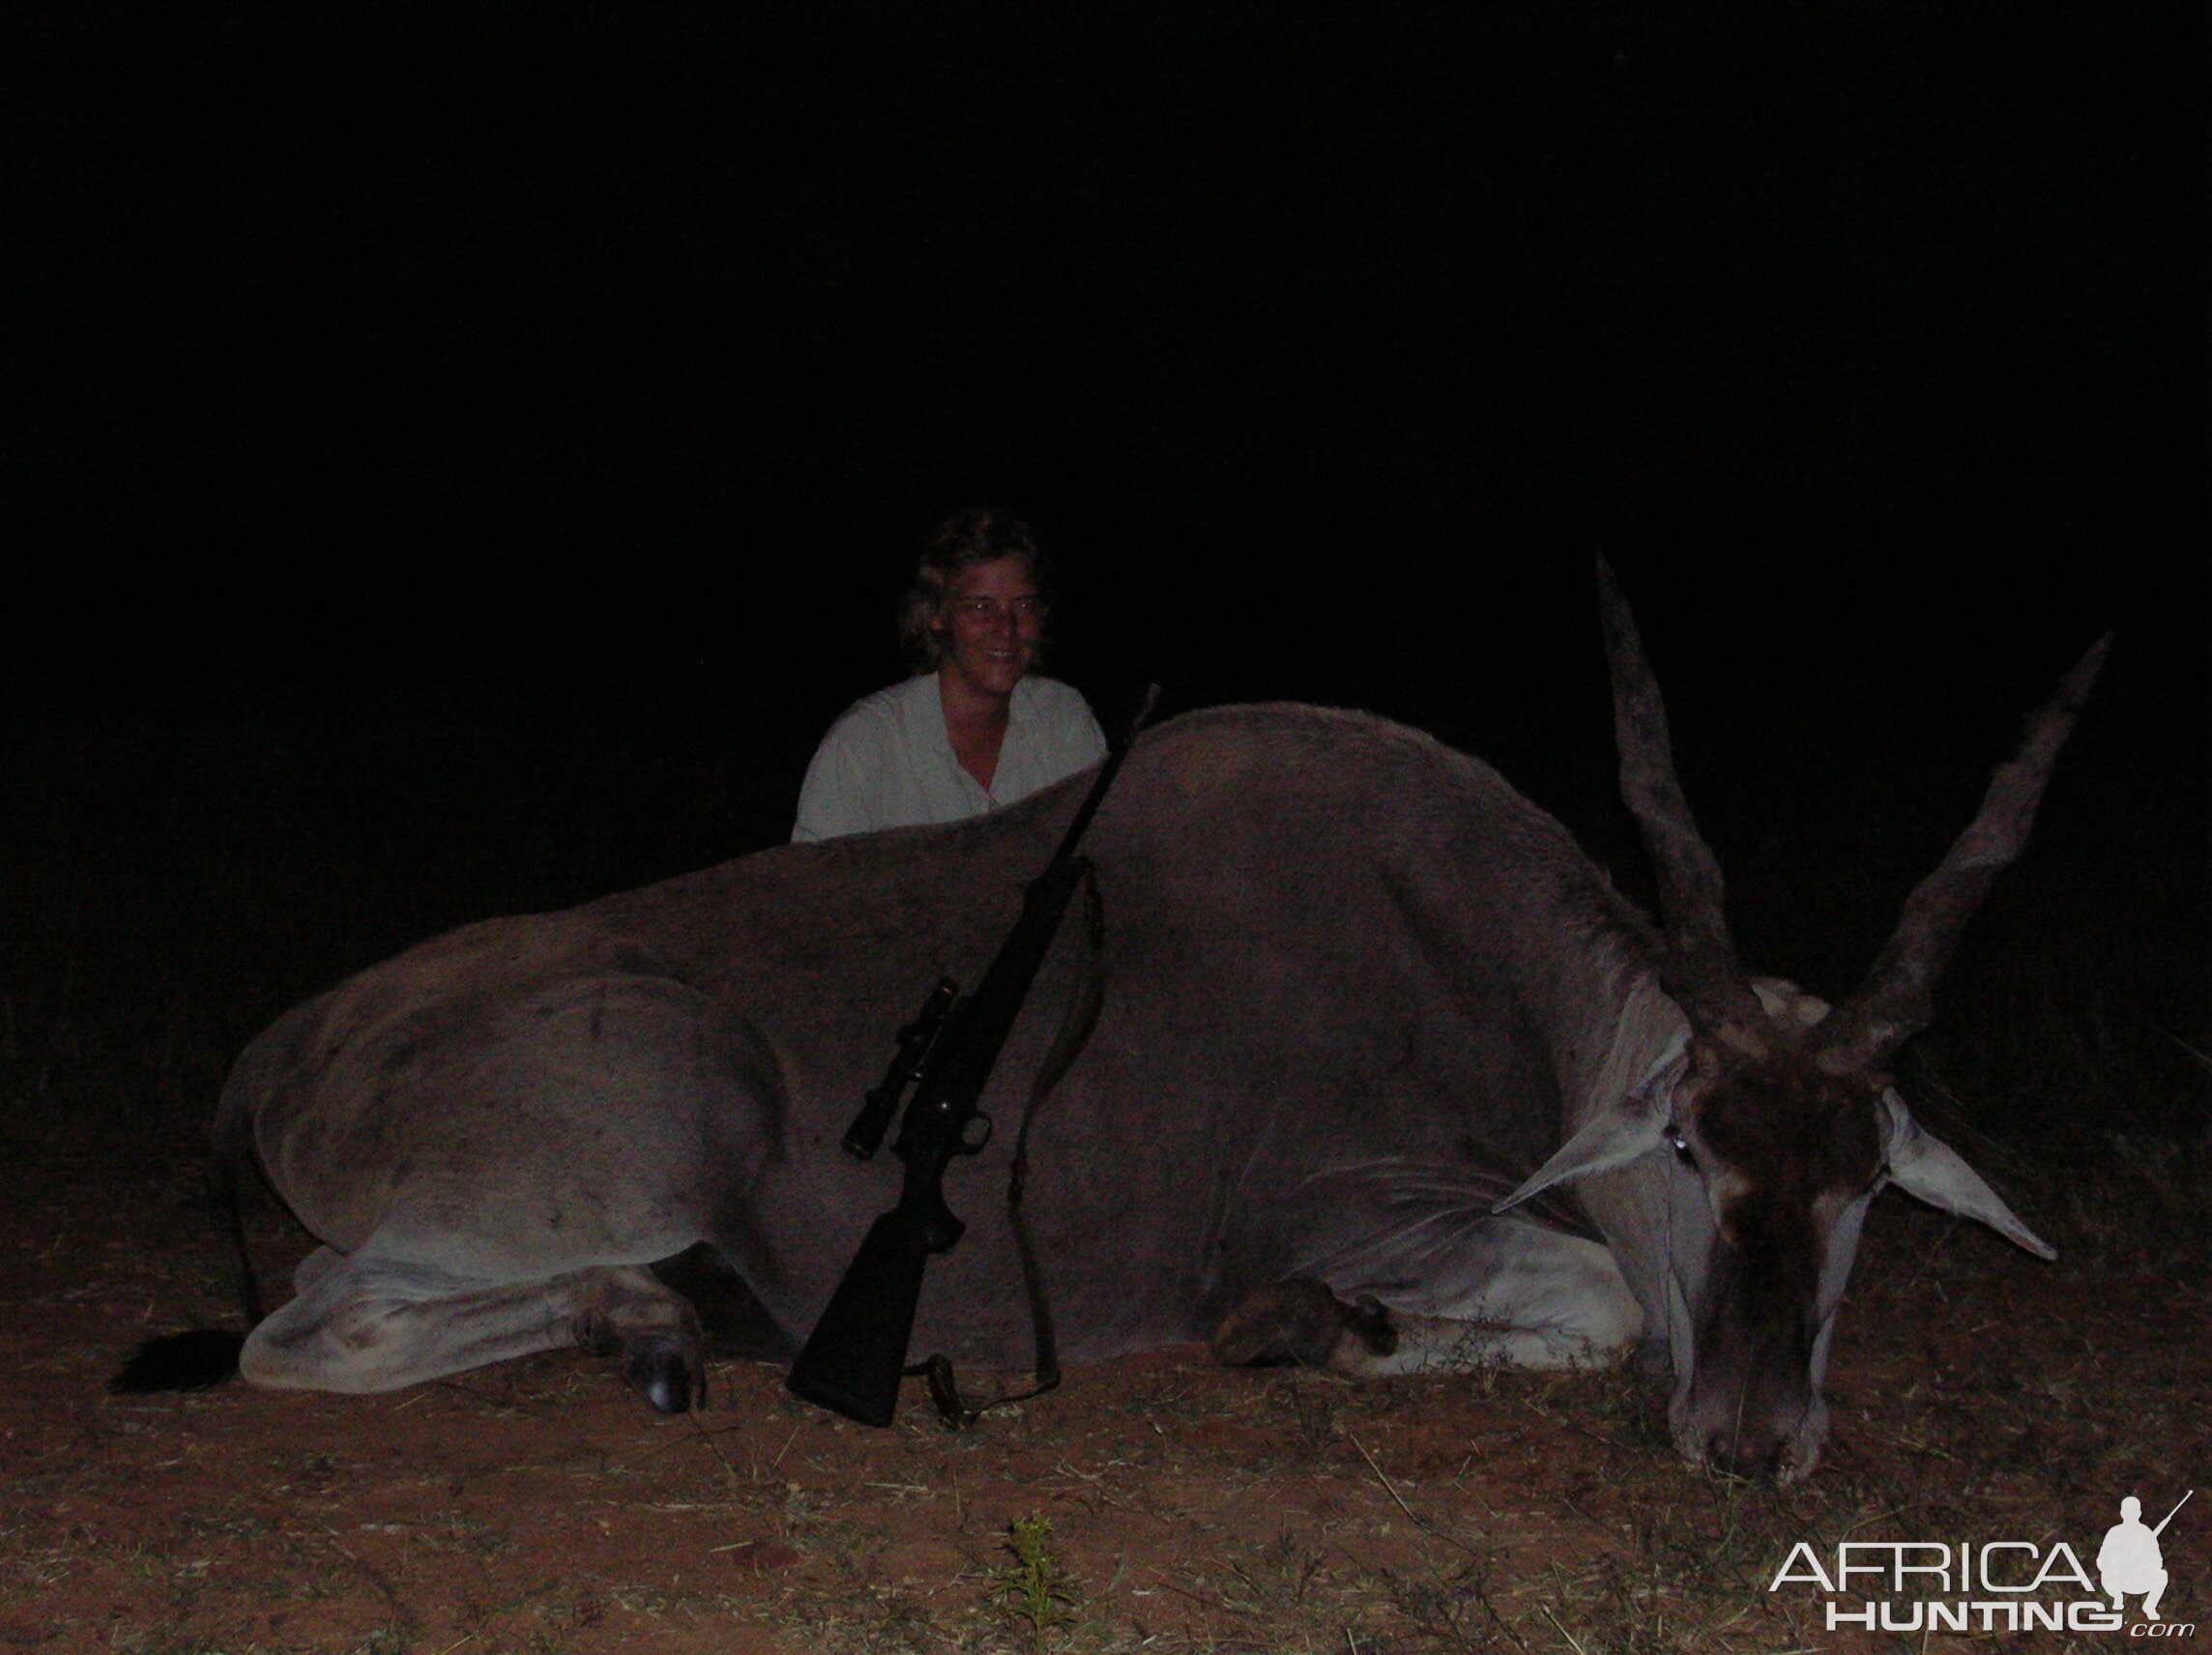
1760 1139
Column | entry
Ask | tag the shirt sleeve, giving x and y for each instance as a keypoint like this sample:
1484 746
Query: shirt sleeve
1086 742
834 799
1071 740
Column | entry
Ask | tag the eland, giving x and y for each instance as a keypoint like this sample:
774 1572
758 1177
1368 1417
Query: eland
1380 1073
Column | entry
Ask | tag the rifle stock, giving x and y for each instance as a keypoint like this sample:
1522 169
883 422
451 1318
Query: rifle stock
852 1363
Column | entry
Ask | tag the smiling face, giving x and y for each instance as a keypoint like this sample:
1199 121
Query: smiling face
988 623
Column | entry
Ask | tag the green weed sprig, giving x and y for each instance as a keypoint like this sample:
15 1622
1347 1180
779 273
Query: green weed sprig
1034 1591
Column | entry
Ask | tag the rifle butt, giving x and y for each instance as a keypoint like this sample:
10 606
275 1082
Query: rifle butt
852 1361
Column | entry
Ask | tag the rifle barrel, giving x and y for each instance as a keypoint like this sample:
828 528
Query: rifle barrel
1091 801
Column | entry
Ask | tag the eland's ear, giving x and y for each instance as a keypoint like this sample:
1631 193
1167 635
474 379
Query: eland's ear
1615 1136
1930 1170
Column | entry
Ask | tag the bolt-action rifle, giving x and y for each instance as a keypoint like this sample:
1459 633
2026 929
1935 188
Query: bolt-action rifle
854 1360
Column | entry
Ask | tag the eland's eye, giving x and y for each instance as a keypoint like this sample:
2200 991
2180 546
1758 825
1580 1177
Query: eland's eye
1680 1146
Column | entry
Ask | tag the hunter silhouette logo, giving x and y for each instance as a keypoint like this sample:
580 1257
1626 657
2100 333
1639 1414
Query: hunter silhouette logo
2130 1561
1993 1586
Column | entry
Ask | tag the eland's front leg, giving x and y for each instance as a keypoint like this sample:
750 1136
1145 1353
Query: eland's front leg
1517 1296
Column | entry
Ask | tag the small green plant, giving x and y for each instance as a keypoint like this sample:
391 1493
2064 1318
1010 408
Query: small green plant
1034 1591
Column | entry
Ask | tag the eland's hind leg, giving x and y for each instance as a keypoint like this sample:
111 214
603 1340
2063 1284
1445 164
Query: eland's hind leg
376 1324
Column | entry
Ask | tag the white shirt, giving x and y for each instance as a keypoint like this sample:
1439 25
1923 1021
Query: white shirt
888 763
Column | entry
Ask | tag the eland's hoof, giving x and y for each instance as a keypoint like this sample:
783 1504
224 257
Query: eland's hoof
1298 1321
659 1369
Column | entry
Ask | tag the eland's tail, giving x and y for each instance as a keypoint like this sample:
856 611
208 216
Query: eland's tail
205 1356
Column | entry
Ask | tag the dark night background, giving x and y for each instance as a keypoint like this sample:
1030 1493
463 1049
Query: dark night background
459 461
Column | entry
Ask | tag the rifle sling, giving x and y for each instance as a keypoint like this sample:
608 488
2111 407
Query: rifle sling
1075 1026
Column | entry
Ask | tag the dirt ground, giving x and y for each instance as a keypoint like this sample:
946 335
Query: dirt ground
538 1507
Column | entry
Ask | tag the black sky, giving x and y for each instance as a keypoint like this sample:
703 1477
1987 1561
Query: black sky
413 396
452 341
593 354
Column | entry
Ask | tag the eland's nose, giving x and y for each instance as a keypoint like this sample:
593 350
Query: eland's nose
1747 1452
